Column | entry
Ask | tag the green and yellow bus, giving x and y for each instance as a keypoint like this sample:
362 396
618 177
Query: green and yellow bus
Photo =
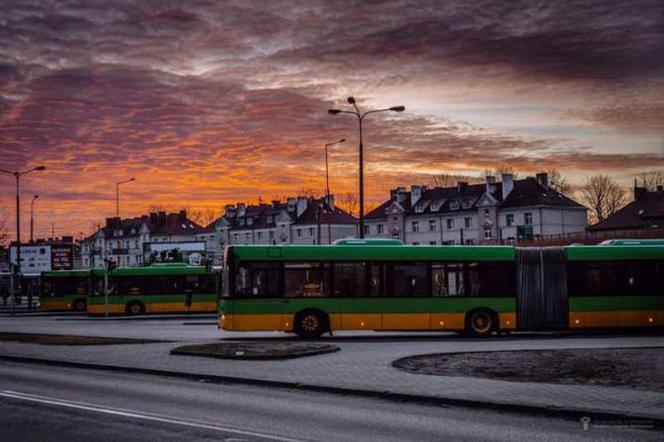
158 288
475 289
64 290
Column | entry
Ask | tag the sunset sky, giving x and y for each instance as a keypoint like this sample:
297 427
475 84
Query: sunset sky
213 102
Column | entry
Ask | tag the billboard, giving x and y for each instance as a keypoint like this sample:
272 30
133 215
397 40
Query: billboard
34 259
62 256
190 252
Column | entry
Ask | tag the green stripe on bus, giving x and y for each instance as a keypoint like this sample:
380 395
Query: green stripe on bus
122 299
615 303
612 253
373 253
368 305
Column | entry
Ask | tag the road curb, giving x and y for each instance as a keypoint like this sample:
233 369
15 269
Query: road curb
548 411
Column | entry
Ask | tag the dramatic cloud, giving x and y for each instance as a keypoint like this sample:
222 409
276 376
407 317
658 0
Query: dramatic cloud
208 102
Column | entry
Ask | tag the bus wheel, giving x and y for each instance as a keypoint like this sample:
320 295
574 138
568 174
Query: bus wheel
80 305
310 324
135 308
481 323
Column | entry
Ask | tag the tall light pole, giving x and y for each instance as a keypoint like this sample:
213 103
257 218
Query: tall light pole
17 175
32 217
360 118
117 195
327 170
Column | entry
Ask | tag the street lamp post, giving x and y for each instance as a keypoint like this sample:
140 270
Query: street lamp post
327 170
117 195
17 267
32 217
360 118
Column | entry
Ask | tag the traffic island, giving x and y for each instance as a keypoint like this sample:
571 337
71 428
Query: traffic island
255 350
637 368
46 339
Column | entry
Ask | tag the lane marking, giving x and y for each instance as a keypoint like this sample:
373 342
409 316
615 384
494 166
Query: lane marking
138 415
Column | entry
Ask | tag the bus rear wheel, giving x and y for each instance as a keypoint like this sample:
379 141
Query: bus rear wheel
481 323
135 308
80 305
310 324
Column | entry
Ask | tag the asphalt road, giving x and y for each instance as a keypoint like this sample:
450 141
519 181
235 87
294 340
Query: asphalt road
42 403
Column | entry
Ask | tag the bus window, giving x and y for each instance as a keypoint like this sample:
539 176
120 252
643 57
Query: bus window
257 279
349 279
310 279
375 275
406 279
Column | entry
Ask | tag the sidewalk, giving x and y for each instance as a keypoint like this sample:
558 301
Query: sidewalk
365 368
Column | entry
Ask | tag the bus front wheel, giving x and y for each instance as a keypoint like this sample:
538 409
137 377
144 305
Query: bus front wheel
481 323
310 324
135 308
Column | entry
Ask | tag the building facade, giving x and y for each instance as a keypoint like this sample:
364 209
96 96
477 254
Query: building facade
494 212
122 240
299 220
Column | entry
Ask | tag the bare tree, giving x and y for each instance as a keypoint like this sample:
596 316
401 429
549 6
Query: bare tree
651 179
4 232
559 182
202 215
603 196
348 202
499 170
451 180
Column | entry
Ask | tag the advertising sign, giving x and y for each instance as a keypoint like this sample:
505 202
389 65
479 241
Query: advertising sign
193 253
62 257
34 259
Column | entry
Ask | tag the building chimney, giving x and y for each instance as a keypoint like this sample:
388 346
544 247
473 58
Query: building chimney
490 184
639 192
229 210
508 183
415 195
161 218
275 204
329 201
301 205
543 179
461 186
291 203
241 209
182 216
153 218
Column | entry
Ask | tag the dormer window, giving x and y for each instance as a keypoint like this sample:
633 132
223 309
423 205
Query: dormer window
434 207
241 221
250 221
419 208
454 205
465 204
270 219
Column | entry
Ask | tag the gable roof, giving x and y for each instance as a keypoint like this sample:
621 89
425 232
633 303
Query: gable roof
646 210
525 192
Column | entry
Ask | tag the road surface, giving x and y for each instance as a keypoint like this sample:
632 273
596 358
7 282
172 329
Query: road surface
42 403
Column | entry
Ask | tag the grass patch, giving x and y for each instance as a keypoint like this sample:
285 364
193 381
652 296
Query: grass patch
45 339
255 350
638 368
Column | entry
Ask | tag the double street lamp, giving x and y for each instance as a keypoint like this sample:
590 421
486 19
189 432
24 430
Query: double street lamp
360 118
17 175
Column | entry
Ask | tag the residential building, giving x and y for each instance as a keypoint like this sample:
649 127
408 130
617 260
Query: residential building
298 220
646 212
122 240
493 212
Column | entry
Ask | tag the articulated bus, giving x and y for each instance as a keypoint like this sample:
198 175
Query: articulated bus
478 290
64 290
158 288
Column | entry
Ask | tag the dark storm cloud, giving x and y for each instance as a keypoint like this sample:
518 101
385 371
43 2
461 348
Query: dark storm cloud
227 99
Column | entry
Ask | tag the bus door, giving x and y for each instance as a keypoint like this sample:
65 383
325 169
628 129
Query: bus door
261 308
